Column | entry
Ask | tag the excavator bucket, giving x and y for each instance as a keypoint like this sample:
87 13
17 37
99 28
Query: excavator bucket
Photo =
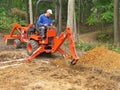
9 40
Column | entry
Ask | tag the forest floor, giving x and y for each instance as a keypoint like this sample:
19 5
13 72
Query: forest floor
97 69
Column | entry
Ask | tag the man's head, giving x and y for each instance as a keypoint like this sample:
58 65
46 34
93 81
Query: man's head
48 12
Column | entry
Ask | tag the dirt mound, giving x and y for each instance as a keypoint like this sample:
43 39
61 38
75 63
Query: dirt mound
102 58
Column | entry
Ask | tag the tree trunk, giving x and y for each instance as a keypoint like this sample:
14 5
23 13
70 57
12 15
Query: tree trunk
27 12
116 23
78 28
71 21
31 12
58 16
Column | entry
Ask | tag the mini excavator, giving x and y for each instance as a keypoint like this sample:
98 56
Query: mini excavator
35 45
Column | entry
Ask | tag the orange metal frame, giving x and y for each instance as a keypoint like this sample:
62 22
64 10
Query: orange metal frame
22 33
51 33
58 41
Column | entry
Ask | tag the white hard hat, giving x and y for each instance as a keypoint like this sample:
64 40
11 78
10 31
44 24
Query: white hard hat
49 11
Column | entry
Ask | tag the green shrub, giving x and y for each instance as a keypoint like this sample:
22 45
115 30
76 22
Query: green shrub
104 37
7 21
84 47
114 48
102 11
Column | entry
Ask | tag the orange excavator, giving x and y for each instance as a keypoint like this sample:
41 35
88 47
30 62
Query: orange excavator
30 37
36 46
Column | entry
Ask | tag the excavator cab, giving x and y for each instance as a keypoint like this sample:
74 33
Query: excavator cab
40 11
49 4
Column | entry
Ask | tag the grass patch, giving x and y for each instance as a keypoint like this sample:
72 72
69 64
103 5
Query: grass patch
86 47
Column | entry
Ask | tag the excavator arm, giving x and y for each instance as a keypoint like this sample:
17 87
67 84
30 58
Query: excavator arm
60 40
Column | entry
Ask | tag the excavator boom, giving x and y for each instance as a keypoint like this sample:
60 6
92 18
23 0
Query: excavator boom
59 41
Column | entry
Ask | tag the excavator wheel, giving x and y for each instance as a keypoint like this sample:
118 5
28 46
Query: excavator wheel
32 46
17 43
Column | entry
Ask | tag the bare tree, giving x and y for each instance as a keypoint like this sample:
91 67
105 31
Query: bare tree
27 12
116 23
31 11
71 21
78 28
58 16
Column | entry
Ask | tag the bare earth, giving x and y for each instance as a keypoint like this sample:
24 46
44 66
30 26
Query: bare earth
50 72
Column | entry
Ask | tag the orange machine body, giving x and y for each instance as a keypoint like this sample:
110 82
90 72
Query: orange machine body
51 44
54 45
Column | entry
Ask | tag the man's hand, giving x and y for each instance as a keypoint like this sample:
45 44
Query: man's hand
45 24
51 24
48 25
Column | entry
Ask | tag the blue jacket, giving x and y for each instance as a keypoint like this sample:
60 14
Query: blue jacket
44 20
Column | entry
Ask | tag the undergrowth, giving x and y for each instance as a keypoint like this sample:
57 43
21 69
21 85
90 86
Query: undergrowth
86 46
7 20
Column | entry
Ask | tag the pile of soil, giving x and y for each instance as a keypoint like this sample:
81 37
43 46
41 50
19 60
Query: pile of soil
102 58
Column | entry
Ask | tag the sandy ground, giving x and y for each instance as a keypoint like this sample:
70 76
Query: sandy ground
50 72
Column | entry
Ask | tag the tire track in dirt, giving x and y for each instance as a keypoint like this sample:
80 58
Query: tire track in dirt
12 63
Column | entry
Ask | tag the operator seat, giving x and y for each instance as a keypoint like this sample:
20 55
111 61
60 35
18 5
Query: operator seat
31 30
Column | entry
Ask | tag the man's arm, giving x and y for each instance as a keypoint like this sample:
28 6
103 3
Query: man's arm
40 21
